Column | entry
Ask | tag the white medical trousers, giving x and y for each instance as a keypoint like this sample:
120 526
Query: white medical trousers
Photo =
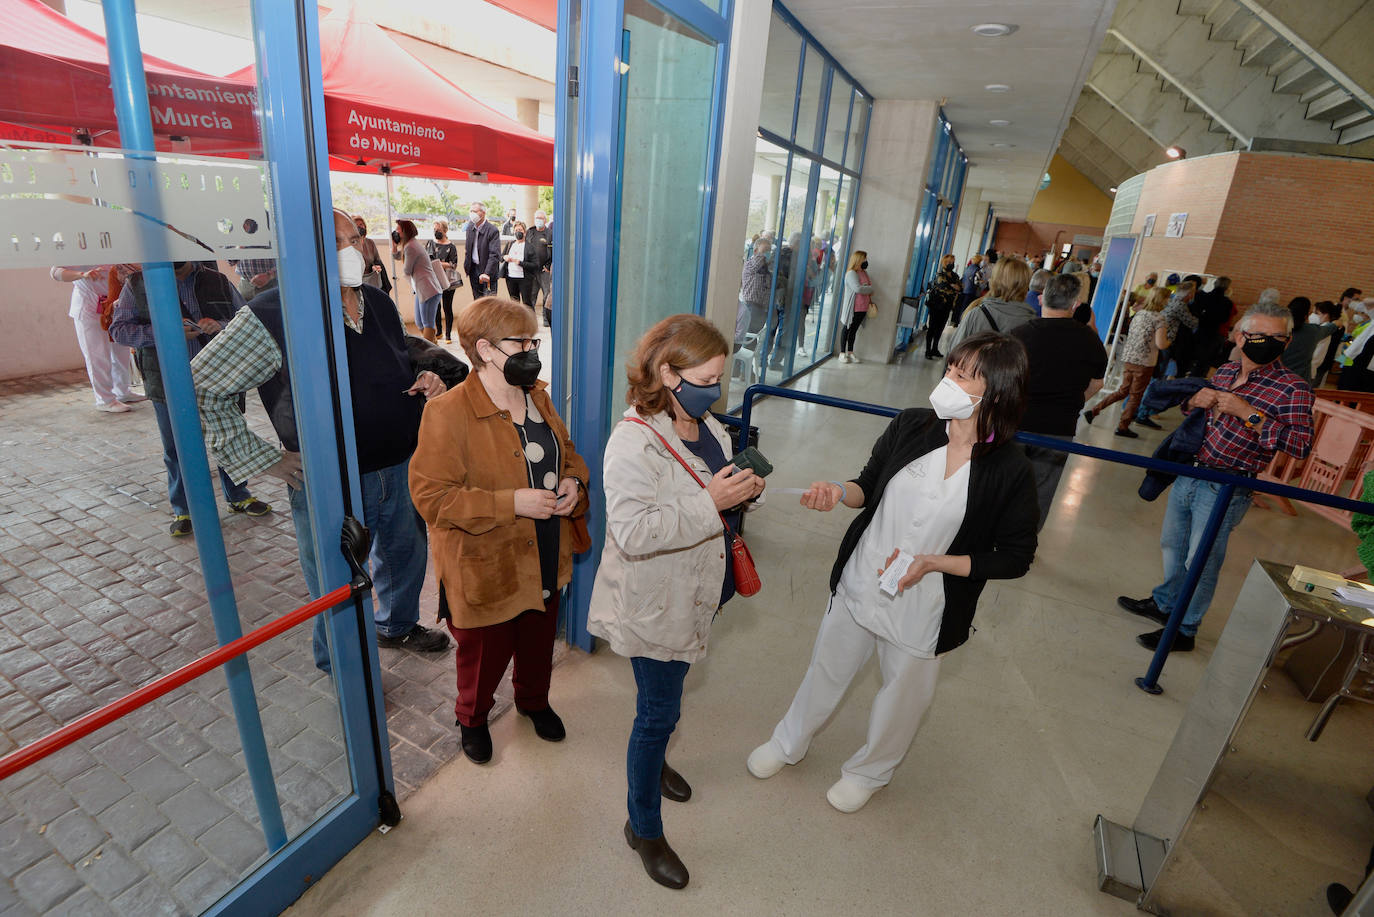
107 363
842 648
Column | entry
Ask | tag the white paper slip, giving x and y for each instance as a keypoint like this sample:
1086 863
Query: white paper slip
1356 594
788 490
894 573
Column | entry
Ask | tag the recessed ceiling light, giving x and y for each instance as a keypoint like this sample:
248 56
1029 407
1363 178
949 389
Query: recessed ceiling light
993 29
1112 189
1176 152
1002 146
997 87
1000 122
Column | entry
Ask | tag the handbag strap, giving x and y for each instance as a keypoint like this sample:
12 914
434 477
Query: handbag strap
684 464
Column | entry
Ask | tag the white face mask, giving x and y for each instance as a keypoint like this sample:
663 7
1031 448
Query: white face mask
474 216
951 402
539 224
351 265
1314 319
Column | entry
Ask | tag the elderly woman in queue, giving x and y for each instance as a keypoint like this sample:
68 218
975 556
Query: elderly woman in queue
664 570
428 288
948 493
498 480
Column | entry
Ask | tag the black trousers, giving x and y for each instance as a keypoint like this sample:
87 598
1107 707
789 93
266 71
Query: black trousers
851 331
478 288
938 314
446 305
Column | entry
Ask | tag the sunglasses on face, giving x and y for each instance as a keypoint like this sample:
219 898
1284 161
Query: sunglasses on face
1256 338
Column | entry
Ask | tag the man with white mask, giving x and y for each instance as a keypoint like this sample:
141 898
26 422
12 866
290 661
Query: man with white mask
482 252
388 396
539 240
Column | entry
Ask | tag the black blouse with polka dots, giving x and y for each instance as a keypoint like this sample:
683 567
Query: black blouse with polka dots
543 459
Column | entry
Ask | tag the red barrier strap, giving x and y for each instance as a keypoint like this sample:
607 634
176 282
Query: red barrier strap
21 758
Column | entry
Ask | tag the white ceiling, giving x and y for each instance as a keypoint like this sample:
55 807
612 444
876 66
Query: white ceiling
923 49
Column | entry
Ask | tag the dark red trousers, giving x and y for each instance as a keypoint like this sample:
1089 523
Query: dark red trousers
484 652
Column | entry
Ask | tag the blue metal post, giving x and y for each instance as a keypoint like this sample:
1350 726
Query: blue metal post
130 88
1150 683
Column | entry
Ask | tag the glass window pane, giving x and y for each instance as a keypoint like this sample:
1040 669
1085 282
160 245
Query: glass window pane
796 275
668 97
828 253
756 276
858 128
808 104
838 119
780 78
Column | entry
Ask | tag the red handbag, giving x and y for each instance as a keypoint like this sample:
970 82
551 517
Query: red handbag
747 580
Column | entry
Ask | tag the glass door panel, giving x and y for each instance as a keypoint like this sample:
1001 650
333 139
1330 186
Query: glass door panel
828 252
667 95
795 276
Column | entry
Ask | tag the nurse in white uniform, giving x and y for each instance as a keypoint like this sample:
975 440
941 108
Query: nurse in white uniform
949 502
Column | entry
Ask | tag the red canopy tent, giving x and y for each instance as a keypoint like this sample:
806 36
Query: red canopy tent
384 107
55 84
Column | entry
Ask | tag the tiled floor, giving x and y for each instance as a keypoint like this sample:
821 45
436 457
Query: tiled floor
1036 728
155 813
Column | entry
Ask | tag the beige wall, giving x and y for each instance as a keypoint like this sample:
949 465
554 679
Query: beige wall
36 336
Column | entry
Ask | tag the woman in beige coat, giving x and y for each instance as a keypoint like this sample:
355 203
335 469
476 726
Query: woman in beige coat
664 571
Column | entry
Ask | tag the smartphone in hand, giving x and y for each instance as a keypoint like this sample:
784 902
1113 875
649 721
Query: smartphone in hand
751 459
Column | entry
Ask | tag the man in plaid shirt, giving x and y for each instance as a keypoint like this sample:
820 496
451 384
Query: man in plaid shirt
255 275
387 391
1255 407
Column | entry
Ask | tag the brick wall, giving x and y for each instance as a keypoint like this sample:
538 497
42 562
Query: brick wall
1035 237
1197 187
1298 223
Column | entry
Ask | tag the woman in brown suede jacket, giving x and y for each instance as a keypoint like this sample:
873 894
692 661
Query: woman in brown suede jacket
498 481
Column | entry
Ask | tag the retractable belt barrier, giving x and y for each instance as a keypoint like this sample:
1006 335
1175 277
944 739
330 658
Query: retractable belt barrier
1149 682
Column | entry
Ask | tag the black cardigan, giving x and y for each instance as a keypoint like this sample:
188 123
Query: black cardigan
998 531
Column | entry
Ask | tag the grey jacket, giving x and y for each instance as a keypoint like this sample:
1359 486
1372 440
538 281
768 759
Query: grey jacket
1005 315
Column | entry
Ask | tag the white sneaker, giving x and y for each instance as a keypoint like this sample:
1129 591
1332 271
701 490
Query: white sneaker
854 359
765 761
133 398
113 407
848 796
844 358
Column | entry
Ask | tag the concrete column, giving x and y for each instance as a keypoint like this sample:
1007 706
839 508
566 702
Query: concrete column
895 167
527 113
739 135
770 214
821 221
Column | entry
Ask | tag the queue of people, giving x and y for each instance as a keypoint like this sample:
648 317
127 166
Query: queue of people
484 477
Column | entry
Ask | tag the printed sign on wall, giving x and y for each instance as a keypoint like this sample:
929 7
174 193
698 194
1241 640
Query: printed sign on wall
74 205
1149 228
1176 223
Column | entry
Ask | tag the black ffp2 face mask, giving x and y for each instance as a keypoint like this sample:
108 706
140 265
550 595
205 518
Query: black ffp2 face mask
522 369
1264 350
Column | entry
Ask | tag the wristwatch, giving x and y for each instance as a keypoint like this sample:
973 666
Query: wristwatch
1254 420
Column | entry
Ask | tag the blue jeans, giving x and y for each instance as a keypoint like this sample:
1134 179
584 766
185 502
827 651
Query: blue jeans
399 555
657 707
1190 504
427 310
176 487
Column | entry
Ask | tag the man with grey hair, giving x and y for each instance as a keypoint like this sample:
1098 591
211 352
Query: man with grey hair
482 252
1255 407
1067 362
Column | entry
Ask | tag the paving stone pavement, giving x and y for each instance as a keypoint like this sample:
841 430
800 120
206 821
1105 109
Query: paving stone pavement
155 814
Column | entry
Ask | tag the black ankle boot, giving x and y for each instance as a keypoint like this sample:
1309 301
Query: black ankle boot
672 785
660 862
476 742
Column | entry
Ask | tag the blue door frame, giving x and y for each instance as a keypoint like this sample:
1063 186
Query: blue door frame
594 170
940 204
292 100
